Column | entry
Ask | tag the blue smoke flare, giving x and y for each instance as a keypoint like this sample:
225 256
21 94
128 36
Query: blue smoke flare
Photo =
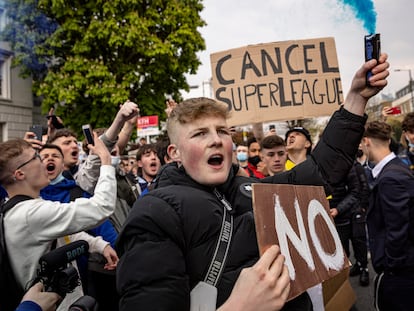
364 11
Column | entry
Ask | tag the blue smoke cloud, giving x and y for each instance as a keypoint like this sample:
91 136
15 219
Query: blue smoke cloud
364 11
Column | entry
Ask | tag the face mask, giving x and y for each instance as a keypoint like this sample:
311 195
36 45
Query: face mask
115 161
254 160
242 156
410 145
57 180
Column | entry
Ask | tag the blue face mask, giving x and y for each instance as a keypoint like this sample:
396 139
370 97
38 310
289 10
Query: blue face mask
242 156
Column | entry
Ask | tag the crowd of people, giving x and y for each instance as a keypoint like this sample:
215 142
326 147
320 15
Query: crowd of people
154 219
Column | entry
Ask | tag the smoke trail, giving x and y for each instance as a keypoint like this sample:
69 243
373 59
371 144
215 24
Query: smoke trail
364 11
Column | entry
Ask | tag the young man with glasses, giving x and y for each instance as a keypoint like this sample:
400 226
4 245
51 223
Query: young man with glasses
31 226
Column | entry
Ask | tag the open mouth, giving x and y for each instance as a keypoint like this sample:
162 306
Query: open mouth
215 160
74 153
50 167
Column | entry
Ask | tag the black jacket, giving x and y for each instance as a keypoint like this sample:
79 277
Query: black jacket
170 235
351 196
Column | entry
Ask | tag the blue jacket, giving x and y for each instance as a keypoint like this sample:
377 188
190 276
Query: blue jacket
28 306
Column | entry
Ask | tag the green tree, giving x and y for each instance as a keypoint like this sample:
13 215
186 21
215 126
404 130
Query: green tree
87 57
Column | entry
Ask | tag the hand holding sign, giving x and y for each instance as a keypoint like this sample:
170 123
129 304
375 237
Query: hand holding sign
297 219
265 286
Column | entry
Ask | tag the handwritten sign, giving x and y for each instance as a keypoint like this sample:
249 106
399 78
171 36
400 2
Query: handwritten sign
278 81
297 219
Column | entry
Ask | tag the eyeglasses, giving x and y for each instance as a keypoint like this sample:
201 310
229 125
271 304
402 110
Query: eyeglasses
36 156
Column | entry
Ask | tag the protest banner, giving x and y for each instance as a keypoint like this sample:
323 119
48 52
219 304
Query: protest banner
148 126
297 219
285 80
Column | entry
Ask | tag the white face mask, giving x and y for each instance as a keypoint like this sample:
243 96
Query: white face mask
115 161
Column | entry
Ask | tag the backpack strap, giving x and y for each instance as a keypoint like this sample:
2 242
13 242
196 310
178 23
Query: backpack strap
13 201
12 289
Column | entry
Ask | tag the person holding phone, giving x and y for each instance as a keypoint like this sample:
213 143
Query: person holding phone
86 174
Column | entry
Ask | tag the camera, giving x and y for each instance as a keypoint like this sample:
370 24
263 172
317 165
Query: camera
56 273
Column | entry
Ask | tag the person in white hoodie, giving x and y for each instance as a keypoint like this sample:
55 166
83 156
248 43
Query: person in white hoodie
60 189
32 226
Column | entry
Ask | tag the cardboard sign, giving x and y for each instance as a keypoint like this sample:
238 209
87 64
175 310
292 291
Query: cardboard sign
148 126
297 219
278 81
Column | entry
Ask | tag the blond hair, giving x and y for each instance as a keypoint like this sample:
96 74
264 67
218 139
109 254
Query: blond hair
194 109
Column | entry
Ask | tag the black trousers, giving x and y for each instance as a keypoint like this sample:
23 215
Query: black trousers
355 233
394 292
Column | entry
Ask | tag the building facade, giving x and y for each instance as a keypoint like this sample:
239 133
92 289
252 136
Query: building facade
16 99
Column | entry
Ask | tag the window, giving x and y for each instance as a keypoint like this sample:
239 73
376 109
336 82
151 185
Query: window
5 61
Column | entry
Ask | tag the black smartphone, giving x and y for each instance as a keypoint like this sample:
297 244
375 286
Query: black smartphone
56 124
272 127
37 130
372 44
87 131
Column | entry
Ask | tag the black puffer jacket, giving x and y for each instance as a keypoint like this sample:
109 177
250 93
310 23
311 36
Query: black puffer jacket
170 234
346 197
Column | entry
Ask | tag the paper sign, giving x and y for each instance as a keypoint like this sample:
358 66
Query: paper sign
278 81
297 219
148 126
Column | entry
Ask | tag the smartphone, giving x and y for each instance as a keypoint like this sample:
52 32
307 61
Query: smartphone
272 127
37 130
372 44
395 110
56 124
87 131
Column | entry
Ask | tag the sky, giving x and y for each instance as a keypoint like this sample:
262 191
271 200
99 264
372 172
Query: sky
236 23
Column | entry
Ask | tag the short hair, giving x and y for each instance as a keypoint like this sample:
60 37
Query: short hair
194 109
61 133
378 130
272 141
162 145
250 141
147 148
408 122
52 146
9 151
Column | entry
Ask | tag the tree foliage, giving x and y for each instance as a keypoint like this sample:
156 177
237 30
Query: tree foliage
87 57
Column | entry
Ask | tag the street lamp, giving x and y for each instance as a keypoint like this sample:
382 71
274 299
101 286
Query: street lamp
410 85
